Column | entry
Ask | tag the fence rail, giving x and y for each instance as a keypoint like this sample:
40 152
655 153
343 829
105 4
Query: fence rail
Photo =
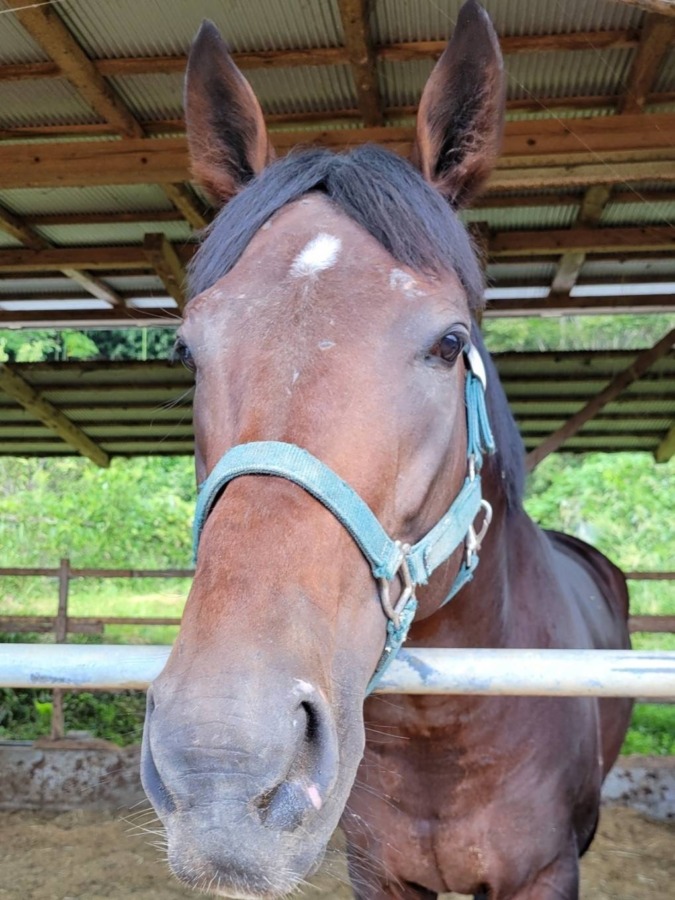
648 676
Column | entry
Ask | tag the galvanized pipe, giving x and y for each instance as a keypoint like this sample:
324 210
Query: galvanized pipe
564 673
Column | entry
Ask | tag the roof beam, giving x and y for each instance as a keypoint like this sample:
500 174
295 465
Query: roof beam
665 7
502 245
642 362
657 35
183 198
331 56
20 390
590 213
666 449
531 151
47 28
355 25
582 240
164 260
94 286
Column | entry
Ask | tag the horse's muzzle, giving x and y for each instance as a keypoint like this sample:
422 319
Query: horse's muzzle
240 788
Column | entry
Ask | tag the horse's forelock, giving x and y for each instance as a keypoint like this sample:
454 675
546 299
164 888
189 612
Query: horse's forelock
381 192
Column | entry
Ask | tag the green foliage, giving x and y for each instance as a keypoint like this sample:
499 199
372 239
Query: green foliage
612 332
50 346
652 731
26 714
40 346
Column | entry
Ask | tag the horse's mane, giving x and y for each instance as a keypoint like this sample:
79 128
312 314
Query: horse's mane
388 197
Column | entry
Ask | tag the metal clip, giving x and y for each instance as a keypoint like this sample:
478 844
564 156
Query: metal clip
403 572
474 541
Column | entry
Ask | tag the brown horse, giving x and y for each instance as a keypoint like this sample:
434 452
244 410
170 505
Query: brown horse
332 311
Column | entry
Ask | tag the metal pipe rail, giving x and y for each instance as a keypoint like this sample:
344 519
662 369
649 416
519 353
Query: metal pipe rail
557 673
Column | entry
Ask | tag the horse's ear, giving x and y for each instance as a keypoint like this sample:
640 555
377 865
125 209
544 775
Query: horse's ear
226 131
461 113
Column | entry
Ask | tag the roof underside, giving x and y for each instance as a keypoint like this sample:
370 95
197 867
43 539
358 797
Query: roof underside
98 216
132 409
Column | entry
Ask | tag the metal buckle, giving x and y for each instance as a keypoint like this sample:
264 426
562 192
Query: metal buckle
403 572
474 541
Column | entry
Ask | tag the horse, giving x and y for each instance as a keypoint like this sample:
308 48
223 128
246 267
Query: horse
352 439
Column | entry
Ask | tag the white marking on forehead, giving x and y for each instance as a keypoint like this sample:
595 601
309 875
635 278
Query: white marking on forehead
319 254
400 279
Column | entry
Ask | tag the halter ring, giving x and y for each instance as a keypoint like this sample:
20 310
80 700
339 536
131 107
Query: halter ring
403 571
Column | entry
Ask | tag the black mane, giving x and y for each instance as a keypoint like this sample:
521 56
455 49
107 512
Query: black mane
384 194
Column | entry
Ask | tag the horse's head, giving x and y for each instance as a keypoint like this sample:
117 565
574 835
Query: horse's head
332 305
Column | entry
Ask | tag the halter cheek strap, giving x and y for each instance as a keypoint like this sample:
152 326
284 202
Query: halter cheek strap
387 558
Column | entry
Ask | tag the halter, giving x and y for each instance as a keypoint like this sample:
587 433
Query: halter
387 558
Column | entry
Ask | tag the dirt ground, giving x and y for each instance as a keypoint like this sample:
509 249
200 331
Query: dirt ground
97 856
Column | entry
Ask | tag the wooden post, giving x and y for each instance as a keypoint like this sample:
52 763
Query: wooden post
60 637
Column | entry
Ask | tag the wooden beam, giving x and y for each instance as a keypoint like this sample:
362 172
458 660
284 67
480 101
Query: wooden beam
20 230
332 56
94 286
183 198
564 305
590 213
666 449
46 27
355 25
55 259
657 35
566 143
164 260
617 386
664 7
20 390
582 240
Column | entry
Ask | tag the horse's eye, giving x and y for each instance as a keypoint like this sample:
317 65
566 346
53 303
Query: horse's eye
449 347
182 352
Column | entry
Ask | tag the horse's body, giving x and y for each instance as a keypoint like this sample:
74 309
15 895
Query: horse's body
333 311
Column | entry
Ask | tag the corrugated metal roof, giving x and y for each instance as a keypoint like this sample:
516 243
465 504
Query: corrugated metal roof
559 74
114 234
150 97
103 199
401 20
130 283
130 28
666 77
47 285
638 213
134 408
78 303
16 46
304 89
52 101
6 240
520 273
616 269
519 217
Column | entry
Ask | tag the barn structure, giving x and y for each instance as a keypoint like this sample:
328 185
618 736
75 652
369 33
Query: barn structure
98 217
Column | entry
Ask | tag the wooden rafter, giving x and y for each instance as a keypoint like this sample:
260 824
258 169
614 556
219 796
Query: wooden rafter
164 260
183 198
570 144
641 364
20 390
361 54
590 213
658 33
502 245
47 28
331 56
22 231
664 7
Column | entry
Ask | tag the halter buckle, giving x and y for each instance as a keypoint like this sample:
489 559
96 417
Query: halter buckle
403 571
474 541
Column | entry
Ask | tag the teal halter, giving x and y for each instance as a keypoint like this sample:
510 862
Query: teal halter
387 558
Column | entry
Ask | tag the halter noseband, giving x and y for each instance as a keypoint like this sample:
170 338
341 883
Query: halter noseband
387 558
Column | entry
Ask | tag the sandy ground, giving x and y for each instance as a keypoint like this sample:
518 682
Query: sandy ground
92 856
